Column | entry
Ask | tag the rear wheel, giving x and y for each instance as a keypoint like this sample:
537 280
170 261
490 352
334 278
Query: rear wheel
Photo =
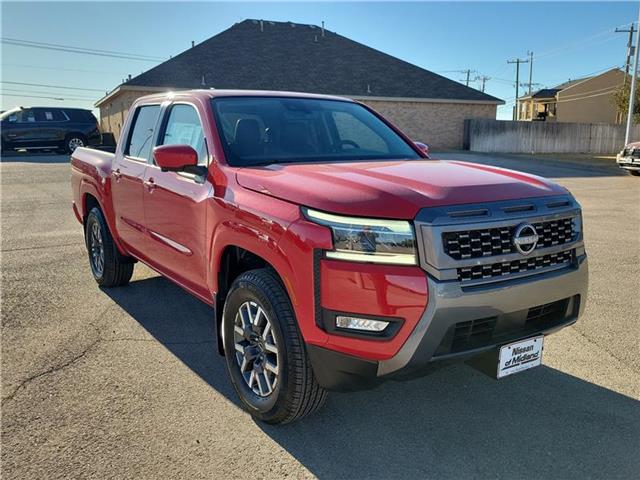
108 266
635 173
264 351
74 141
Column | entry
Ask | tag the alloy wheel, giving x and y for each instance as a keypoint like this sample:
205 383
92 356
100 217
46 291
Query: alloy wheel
256 349
74 143
96 249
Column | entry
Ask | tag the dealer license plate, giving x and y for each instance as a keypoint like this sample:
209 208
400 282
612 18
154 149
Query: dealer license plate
520 356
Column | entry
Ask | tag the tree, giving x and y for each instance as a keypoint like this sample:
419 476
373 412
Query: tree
621 101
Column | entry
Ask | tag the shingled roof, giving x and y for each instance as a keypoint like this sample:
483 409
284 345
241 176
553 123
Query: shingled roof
266 55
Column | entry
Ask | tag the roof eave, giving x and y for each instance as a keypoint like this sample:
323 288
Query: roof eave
424 100
123 87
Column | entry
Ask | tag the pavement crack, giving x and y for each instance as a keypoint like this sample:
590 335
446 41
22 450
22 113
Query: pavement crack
596 344
54 369
21 249
154 340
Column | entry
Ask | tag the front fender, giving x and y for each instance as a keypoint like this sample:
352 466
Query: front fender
276 233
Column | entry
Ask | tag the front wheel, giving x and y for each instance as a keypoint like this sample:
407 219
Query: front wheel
108 266
635 173
264 351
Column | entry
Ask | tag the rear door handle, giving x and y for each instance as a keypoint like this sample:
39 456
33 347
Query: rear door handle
117 174
150 184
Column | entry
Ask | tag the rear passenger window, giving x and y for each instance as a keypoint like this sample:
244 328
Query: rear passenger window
184 128
48 115
55 115
141 136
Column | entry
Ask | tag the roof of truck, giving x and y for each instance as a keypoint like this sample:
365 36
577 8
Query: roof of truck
212 93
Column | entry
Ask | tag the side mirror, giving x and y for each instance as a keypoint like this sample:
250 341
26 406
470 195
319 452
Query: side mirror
175 158
423 147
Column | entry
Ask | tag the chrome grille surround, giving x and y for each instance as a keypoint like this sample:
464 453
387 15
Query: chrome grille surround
557 219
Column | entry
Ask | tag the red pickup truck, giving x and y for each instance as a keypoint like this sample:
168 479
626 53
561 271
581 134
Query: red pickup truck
334 252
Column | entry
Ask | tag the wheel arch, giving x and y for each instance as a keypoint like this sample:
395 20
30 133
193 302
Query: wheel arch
233 260
75 133
90 198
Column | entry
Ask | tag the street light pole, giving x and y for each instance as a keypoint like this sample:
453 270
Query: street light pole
632 94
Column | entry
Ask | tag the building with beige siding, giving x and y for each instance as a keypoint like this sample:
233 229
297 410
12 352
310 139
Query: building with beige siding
265 55
586 100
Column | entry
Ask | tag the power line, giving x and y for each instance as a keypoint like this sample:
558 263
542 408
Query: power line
580 43
39 67
80 50
60 99
584 76
581 96
38 92
55 86
608 88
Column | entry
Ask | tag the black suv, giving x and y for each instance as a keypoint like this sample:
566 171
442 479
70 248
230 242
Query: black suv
55 128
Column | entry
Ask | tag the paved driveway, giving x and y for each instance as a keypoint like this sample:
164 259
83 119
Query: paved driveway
126 383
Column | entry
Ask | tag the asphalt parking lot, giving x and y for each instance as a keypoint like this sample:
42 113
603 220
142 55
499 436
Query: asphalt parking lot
126 383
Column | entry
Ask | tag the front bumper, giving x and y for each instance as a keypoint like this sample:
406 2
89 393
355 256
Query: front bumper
507 306
628 163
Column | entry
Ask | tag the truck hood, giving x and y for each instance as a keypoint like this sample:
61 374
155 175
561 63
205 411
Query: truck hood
392 189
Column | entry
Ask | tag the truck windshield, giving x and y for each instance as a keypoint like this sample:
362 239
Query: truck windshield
264 130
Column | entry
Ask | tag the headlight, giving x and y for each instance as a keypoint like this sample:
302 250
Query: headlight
368 239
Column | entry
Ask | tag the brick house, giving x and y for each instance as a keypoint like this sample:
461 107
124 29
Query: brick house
265 55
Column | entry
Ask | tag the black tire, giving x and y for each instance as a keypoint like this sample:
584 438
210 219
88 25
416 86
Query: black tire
635 173
73 141
114 270
296 392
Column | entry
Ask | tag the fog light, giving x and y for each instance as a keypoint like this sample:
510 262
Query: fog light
365 324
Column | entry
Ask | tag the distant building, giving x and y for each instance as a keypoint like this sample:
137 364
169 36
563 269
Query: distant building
585 100
264 55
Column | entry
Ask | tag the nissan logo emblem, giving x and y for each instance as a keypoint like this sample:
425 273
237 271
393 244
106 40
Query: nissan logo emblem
525 238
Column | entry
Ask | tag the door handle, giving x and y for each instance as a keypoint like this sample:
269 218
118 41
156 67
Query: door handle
150 184
117 174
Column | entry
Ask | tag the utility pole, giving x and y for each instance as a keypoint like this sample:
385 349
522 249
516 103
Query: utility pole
517 61
632 94
468 71
530 69
629 30
483 79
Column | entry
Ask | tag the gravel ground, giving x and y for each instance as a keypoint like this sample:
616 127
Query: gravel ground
126 383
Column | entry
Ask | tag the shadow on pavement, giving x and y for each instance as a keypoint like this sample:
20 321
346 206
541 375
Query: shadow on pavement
456 423
543 166
31 157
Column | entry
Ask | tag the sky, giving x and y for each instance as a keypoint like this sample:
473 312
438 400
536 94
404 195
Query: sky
569 40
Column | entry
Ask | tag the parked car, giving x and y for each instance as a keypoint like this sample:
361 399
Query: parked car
629 158
55 128
334 254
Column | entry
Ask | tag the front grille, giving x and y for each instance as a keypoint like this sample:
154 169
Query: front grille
494 270
474 329
543 314
631 152
486 242
472 334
